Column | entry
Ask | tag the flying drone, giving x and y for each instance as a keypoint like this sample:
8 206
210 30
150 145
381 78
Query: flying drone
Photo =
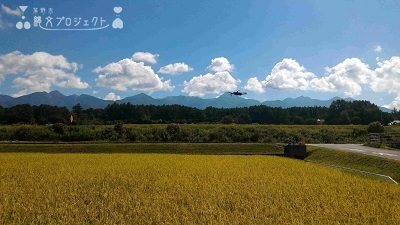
237 93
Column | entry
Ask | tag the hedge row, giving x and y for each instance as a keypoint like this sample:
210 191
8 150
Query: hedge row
185 133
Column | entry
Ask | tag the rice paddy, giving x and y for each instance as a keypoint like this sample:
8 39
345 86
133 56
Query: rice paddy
79 188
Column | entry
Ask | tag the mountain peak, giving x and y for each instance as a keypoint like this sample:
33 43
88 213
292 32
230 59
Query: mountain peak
56 94
303 97
143 95
225 95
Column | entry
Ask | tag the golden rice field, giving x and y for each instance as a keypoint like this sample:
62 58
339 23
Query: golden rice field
38 188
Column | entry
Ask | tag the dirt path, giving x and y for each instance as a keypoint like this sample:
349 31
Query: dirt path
384 153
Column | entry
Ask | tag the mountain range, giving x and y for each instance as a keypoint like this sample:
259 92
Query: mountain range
56 98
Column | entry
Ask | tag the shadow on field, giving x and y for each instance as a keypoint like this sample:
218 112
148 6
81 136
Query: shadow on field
309 153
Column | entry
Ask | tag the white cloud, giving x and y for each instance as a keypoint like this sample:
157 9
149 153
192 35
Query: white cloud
288 74
394 104
210 83
220 64
175 68
9 11
145 57
216 83
112 96
254 85
39 72
345 77
5 24
95 92
378 48
386 77
128 74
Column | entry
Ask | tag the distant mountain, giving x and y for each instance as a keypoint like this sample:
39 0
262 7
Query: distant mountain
228 101
4 99
302 102
190 101
54 98
383 109
224 101
140 99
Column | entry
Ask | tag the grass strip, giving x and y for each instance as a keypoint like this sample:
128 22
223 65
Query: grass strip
171 148
356 161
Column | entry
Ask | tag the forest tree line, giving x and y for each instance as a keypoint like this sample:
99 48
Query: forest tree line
340 112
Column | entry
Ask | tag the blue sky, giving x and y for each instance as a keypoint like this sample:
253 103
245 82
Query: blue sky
270 49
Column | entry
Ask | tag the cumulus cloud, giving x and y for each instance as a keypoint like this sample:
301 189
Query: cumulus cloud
254 85
145 57
39 72
9 11
348 77
287 74
220 64
176 68
112 96
386 77
210 83
128 74
345 77
214 83
378 48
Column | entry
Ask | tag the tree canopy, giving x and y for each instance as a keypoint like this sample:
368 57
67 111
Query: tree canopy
339 112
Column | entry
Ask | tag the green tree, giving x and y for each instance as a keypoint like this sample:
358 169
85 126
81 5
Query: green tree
2 111
375 127
20 114
77 110
46 114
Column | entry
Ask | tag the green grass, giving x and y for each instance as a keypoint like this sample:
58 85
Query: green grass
357 161
173 148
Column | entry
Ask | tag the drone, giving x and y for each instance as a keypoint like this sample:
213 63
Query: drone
237 93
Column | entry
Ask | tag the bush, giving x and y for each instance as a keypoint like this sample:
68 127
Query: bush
375 127
79 133
173 131
131 135
21 134
109 134
32 133
119 128
5 134
59 128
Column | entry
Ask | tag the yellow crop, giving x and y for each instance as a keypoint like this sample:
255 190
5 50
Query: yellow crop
186 189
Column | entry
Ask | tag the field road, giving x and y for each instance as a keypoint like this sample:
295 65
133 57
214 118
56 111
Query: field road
384 153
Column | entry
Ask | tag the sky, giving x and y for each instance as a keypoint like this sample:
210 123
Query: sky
270 49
